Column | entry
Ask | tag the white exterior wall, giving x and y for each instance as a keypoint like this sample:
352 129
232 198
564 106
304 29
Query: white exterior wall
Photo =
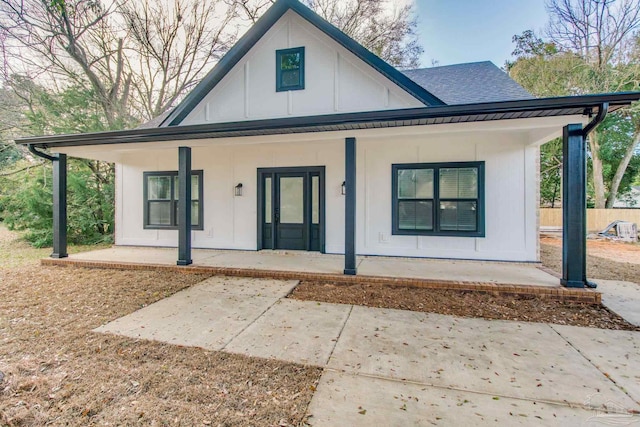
230 222
336 81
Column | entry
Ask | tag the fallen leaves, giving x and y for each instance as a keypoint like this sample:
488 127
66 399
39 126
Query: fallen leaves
68 375
527 308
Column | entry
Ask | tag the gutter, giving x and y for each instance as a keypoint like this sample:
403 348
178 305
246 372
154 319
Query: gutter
344 121
602 113
599 118
34 151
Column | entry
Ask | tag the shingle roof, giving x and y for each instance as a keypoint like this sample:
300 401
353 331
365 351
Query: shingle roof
156 121
469 83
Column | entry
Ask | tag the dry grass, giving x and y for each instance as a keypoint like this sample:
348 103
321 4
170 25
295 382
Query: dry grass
15 252
57 372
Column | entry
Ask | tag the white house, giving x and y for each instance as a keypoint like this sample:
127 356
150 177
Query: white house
301 139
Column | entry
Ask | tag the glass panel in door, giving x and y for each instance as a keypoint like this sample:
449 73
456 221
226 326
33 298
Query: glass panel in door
267 200
292 200
315 200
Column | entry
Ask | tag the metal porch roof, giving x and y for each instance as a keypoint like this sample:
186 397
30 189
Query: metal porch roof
464 113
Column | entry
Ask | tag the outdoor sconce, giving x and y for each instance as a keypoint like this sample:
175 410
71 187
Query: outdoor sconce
343 188
238 189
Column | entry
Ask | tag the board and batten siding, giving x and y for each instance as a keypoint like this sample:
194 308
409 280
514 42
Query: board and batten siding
230 222
336 81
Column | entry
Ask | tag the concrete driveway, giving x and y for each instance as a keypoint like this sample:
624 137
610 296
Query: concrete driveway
394 367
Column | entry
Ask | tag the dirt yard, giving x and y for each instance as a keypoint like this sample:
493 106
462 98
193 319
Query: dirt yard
475 304
609 260
55 371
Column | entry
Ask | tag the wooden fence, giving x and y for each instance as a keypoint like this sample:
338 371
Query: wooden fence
597 219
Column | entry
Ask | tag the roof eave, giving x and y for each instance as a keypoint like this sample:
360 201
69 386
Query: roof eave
583 104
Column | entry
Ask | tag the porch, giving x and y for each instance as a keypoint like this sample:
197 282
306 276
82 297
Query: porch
361 208
485 276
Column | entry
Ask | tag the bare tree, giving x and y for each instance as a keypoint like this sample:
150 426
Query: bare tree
171 47
138 57
597 30
381 26
71 40
602 34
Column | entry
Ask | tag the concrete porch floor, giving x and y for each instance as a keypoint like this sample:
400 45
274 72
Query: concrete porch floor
486 272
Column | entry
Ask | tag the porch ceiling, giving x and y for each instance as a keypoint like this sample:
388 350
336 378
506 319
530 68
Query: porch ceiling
470 113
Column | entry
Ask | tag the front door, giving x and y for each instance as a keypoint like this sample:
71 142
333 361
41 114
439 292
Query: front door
291 208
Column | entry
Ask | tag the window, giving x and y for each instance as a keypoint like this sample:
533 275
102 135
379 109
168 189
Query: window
290 69
439 199
161 200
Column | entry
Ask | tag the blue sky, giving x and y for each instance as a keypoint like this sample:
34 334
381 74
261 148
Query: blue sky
456 31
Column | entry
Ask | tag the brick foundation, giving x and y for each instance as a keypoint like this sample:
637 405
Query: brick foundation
587 296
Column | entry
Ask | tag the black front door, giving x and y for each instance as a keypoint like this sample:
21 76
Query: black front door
291 208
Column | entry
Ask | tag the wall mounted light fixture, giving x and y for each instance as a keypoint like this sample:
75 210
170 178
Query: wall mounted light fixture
343 188
238 189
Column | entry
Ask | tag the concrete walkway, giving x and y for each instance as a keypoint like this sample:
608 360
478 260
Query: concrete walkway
622 298
399 368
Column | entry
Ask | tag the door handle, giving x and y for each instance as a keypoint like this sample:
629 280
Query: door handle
276 216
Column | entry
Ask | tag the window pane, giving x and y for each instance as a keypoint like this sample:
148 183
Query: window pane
415 215
415 183
290 78
159 188
468 183
159 213
176 189
467 214
458 216
424 215
406 215
267 200
424 183
290 61
406 186
449 183
315 200
195 187
292 200
195 213
459 183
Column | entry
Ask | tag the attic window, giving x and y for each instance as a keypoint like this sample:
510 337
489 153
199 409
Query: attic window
290 69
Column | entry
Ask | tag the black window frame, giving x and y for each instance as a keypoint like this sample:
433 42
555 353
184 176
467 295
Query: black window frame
480 217
173 201
279 70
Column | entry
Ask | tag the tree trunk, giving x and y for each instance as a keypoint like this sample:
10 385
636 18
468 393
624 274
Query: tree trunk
596 163
622 167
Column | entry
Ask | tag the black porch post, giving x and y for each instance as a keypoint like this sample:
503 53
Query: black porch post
59 165
184 206
350 207
574 207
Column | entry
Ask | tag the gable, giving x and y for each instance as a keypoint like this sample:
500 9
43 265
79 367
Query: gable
340 75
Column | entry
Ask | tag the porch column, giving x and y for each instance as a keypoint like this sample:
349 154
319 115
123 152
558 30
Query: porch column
59 164
184 206
574 207
350 207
